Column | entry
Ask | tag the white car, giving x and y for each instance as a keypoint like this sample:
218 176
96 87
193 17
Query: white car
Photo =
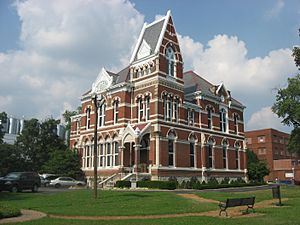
65 182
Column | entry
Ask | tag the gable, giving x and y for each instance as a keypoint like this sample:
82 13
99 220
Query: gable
103 82
144 50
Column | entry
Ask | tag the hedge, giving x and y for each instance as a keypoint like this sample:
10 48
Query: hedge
6 212
123 184
170 185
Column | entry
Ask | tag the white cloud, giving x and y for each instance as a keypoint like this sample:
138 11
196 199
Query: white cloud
265 118
251 80
275 10
64 44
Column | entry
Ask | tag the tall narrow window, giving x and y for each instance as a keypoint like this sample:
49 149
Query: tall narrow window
210 154
223 120
224 149
147 108
101 115
108 154
170 56
165 106
176 109
116 153
88 118
192 154
140 109
191 117
102 155
237 158
169 116
171 152
236 125
116 111
209 118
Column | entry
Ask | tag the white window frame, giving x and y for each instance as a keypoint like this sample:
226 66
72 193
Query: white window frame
116 111
171 63
88 118
147 108
101 115
140 109
223 120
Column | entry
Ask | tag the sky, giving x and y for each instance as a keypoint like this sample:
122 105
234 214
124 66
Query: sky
52 51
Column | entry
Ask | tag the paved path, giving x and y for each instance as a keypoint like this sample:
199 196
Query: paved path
26 216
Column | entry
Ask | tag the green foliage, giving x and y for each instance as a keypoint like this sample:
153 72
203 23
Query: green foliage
10 159
3 119
257 169
296 55
9 211
287 105
170 185
123 184
37 141
65 163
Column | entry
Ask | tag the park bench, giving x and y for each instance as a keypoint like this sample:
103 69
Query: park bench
233 202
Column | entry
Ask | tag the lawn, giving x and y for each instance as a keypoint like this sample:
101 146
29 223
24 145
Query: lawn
143 203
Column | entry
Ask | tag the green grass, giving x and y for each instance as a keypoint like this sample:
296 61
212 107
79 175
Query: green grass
137 203
109 203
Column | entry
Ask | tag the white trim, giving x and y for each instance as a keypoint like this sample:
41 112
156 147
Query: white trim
161 36
138 43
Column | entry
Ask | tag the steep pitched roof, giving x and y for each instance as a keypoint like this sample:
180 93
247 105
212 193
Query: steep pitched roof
152 34
193 83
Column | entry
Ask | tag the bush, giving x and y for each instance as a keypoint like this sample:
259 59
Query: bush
6 212
170 185
174 179
123 184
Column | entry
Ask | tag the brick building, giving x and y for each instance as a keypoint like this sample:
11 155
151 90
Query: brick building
271 145
156 120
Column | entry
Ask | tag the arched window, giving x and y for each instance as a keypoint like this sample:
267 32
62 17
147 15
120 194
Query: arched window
176 103
192 151
108 154
88 118
224 150
140 109
116 111
223 122
165 106
171 149
170 56
147 108
101 115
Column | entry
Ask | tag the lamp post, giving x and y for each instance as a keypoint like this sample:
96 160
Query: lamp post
95 145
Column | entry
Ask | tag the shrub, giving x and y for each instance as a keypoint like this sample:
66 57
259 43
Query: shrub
6 212
225 180
174 179
123 184
170 185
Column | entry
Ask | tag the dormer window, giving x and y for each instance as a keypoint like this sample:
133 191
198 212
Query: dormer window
170 56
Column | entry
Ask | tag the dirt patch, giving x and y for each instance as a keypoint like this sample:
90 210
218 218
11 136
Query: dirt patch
198 198
26 216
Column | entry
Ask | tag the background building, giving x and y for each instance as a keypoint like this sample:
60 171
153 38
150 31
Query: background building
12 128
271 145
156 121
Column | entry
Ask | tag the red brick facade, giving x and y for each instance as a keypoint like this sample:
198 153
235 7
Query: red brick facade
271 145
162 127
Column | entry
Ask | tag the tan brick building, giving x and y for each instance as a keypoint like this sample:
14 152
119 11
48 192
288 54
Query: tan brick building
271 145
155 120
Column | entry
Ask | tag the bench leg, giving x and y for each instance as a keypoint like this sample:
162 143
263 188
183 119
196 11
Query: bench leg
223 210
250 207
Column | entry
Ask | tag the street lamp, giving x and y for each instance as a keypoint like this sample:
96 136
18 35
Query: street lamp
94 97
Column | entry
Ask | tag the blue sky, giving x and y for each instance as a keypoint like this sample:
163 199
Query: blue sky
52 51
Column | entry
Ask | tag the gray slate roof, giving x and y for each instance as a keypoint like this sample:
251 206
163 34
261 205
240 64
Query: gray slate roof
151 35
193 83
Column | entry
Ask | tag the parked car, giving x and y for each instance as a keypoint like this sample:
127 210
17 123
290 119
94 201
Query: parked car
46 178
19 181
65 182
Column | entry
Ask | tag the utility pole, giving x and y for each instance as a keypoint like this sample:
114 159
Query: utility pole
95 145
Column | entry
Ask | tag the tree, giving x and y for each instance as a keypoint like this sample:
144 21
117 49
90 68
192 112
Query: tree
3 120
10 159
37 141
257 169
65 163
287 106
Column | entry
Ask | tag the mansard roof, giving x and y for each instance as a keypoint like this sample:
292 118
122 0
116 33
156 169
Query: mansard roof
195 83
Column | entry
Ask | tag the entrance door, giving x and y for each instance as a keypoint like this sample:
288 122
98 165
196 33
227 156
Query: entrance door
144 153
